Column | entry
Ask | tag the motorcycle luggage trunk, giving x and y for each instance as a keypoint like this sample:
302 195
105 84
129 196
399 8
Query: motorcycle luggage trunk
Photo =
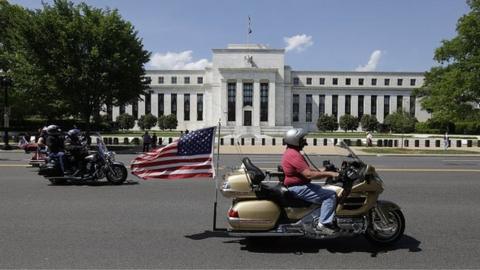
254 215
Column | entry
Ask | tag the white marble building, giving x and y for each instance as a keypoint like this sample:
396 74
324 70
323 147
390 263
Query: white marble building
251 90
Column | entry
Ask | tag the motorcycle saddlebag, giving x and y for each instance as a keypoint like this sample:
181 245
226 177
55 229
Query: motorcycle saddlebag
253 215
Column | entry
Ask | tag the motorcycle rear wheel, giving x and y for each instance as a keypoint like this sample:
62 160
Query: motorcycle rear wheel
119 176
386 237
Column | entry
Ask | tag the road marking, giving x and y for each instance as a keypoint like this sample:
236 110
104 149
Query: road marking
14 165
461 160
408 170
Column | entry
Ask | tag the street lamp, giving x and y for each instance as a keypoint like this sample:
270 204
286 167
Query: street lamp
5 82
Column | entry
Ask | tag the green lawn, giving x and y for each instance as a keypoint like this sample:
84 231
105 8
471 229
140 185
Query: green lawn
377 150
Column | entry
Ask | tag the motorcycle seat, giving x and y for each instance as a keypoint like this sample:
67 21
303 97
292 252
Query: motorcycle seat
278 193
255 173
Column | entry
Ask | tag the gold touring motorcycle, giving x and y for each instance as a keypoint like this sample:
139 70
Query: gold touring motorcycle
263 208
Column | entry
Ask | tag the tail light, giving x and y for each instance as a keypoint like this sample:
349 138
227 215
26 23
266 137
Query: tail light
232 213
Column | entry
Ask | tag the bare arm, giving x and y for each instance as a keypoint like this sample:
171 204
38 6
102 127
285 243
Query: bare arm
314 174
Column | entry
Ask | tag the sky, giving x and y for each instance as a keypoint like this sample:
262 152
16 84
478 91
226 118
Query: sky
323 35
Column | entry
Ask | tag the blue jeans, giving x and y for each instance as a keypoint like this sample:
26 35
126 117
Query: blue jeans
317 195
59 156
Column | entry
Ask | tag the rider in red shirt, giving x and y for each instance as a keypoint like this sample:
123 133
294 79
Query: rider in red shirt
298 177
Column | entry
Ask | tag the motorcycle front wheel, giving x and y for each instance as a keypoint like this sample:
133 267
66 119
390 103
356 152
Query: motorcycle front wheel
117 175
386 234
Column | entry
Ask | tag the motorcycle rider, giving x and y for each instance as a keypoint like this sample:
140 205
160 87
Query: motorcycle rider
55 145
74 146
298 177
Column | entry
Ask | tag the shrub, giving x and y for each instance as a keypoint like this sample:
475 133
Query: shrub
147 121
369 122
401 122
327 122
348 122
125 121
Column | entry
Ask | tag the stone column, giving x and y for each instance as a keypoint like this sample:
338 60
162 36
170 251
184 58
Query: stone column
141 106
367 104
168 103
271 104
393 104
239 104
129 109
380 103
301 107
180 99
154 103
328 104
115 112
256 104
315 105
406 103
193 107
354 105
341 106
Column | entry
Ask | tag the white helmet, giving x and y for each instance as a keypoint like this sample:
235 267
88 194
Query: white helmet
294 136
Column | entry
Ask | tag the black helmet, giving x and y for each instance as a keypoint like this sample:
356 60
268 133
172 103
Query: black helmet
72 133
53 130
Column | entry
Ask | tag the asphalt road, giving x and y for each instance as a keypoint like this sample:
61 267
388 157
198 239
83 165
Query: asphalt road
168 224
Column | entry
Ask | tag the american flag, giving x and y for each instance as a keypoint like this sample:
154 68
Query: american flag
191 156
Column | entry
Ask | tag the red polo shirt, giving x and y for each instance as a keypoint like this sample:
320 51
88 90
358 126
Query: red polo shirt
293 164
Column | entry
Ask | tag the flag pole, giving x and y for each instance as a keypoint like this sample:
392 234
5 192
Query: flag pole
216 182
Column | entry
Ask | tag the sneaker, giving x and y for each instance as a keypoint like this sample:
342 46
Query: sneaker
325 228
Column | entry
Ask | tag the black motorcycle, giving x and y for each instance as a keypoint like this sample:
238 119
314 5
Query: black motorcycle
96 166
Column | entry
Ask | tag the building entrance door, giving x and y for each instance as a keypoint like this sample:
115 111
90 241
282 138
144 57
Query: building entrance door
247 118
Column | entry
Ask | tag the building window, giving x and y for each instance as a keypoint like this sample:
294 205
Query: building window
199 107
386 106
412 105
399 103
412 82
122 109
148 79
399 82
160 80
161 105
173 104
296 108
174 80
360 81
135 109
186 107
321 105
247 94
264 102
110 111
348 81
374 81
232 94
360 107
308 109
186 80
373 105
335 105
309 81
322 81
199 80
335 81
148 103
348 103
296 81
387 82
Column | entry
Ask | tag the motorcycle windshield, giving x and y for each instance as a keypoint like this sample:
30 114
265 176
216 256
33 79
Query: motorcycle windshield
345 150
102 148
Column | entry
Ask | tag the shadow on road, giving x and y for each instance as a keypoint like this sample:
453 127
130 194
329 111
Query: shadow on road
300 246
96 183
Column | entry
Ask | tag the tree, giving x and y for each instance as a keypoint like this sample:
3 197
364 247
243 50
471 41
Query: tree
451 91
171 122
162 122
326 122
348 122
125 121
401 122
88 56
147 121
369 122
